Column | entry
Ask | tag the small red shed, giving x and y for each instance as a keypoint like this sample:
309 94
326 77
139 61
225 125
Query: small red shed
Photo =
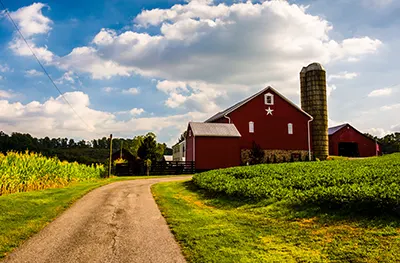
212 145
345 140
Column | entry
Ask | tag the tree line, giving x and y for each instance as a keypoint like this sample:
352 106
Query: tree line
82 151
390 143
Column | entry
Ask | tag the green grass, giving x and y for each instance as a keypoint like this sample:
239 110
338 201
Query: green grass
219 228
24 214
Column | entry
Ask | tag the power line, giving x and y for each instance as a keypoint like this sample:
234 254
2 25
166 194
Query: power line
41 65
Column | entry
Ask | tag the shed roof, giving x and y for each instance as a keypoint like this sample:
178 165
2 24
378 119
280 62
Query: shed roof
241 103
334 129
214 129
168 158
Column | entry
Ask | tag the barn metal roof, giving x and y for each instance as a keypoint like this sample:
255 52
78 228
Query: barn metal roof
214 129
334 129
241 103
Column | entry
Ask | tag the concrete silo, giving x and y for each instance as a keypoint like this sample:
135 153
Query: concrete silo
314 102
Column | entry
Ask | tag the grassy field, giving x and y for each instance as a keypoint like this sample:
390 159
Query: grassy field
222 229
24 214
283 212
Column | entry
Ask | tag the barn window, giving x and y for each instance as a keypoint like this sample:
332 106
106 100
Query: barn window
269 99
190 133
290 128
251 127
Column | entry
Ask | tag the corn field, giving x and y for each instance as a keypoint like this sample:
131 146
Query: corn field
22 172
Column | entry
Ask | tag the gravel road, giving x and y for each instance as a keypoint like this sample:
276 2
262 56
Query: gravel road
119 222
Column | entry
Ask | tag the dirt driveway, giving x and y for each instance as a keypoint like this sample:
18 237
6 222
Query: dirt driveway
119 222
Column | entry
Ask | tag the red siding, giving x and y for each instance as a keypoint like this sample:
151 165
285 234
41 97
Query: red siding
270 132
217 152
366 146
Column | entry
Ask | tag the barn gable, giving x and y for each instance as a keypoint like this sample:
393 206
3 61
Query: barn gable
231 109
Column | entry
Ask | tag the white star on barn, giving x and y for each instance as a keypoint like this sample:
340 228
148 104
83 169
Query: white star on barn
269 111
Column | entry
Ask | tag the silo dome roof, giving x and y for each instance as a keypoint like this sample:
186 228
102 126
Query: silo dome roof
315 66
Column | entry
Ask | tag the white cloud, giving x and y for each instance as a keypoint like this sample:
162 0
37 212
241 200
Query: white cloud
396 127
70 78
4 68
379 132
171 86
132 91
86 59
380 92
175 100
390 107
19 47
108 89
33 73
56 119
6 94
329 90
343 75
136 111
225 46
31 20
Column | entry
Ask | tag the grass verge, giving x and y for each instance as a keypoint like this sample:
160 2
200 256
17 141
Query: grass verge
24 214
222 229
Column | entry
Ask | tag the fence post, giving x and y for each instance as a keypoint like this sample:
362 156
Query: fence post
110 161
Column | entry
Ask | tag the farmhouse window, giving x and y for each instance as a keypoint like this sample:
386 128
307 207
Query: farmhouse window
290 128
251 127
269 99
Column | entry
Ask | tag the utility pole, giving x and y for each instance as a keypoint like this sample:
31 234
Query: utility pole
110 161
120 153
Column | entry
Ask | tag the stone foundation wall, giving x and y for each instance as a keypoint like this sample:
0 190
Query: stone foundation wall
280 155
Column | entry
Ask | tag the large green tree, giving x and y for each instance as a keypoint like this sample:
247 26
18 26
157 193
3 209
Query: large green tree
148 149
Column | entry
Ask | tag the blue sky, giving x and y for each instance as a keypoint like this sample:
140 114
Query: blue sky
129 67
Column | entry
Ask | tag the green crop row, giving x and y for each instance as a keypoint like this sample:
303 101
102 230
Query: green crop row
21 172
361 184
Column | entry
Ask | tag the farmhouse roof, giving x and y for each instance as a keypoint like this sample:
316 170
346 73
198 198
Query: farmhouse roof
241 103
214 129
334 129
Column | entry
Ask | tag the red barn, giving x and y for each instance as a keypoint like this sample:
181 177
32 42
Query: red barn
212 145
345 140
267 118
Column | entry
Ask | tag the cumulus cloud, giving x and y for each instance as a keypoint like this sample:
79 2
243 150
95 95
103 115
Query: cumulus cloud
67 77
390 107
4 68
220 45
86 59
56 118
380 92
136 111
132 91
6 94
171 86
108 89
243 44
33 73
31 20
343 75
